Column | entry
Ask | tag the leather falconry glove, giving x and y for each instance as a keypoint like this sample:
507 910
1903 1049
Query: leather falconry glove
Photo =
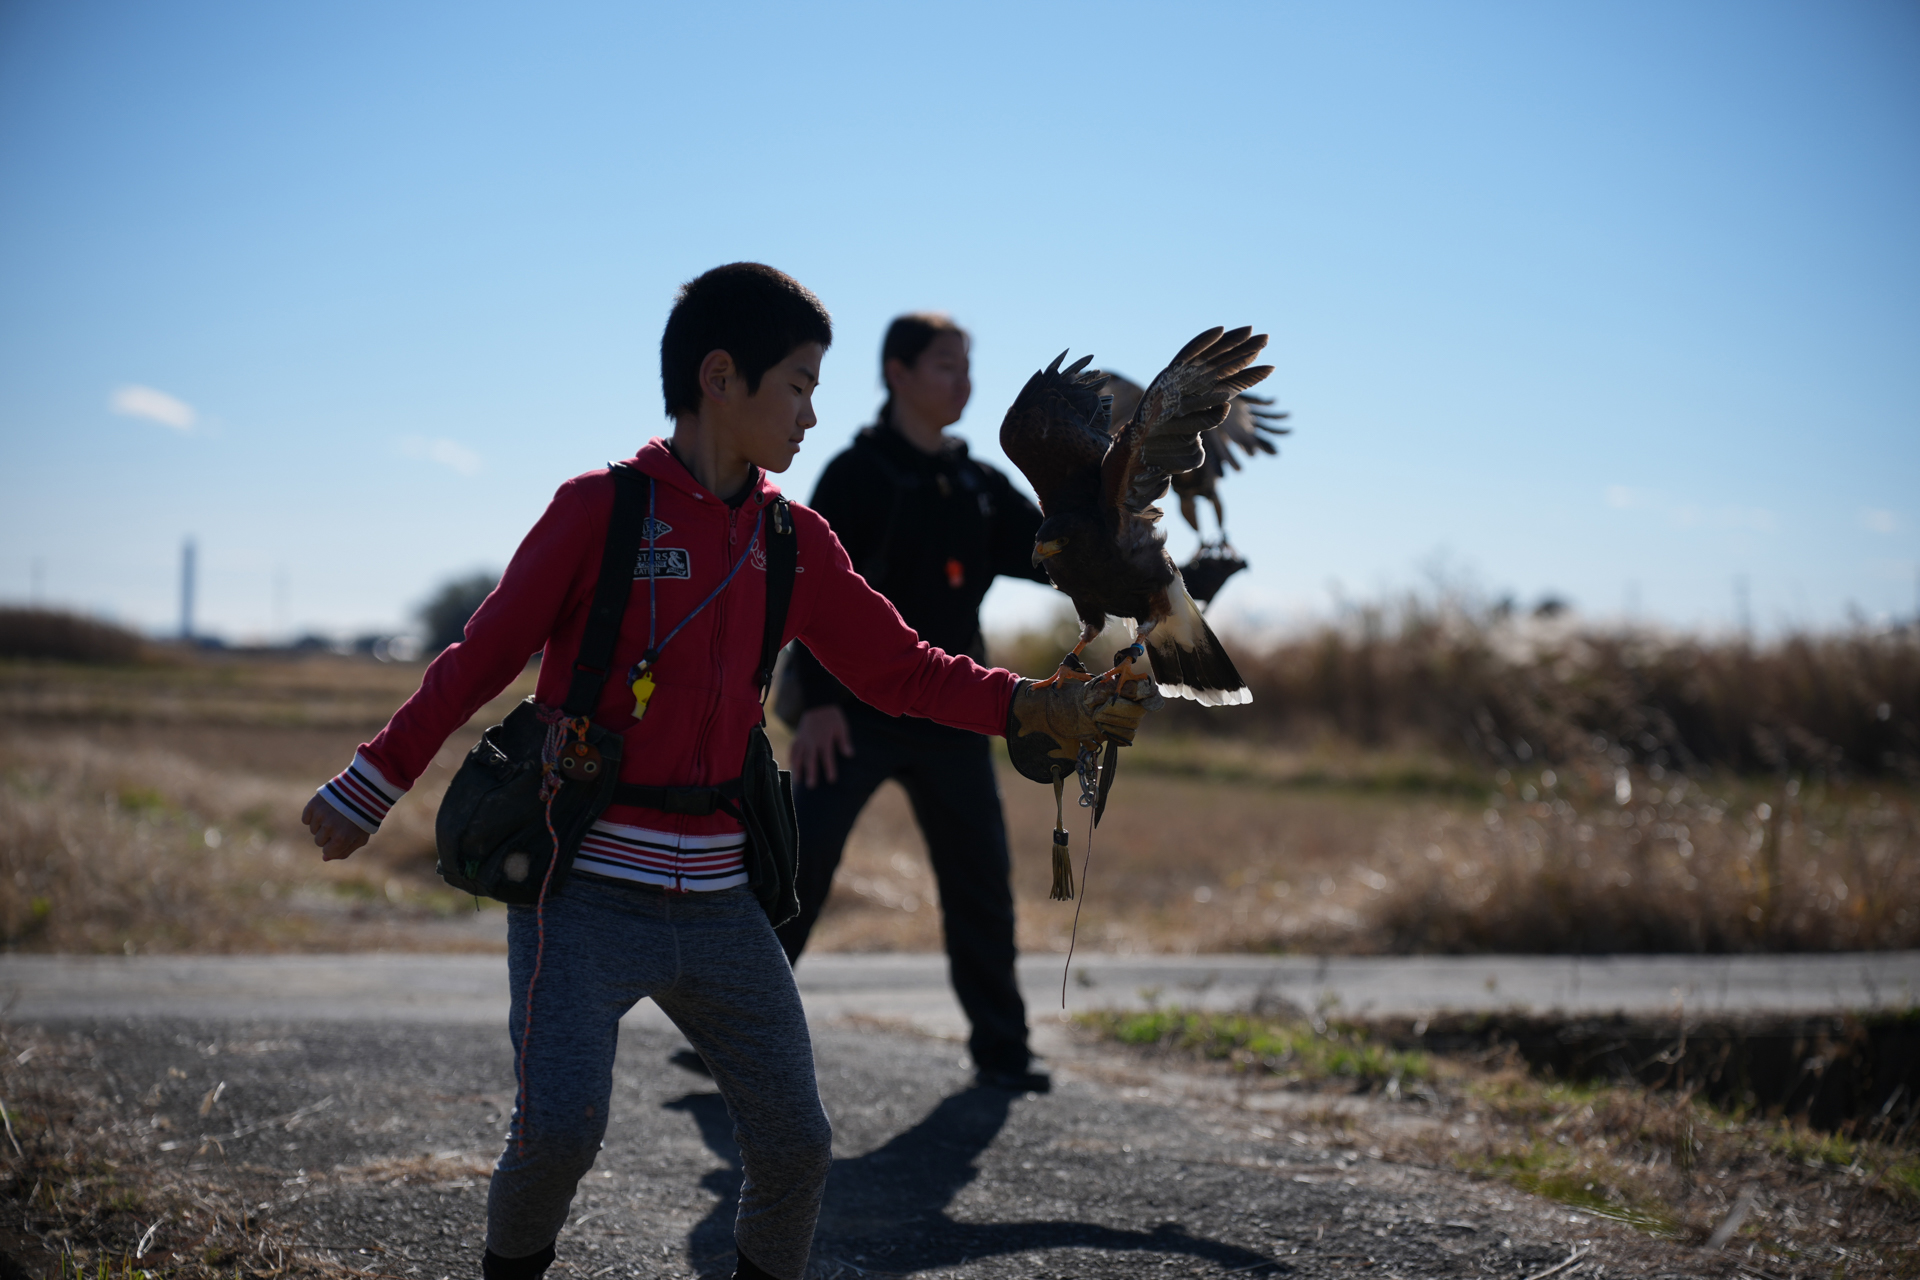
1047 724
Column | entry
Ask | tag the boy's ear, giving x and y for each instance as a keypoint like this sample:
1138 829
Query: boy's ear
718 375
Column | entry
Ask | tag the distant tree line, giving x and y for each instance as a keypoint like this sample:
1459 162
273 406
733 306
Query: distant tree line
444 617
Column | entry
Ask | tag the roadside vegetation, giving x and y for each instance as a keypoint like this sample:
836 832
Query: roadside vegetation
80 1184
1778 1197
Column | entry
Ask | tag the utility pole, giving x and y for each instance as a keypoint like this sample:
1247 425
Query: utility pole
186 590
1742 608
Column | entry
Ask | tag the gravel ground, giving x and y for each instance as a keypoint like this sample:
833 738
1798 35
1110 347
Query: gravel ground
375 1139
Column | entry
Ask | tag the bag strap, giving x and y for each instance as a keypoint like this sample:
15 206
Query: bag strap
609 608
783 556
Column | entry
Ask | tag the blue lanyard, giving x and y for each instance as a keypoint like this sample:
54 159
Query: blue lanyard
652 655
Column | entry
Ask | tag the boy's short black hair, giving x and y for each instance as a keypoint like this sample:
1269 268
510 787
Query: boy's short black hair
752 312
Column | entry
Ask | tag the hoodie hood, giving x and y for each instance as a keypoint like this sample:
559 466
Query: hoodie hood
657 460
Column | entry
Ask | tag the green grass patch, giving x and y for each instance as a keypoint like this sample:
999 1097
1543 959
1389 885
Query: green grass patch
1903 1179
1293 1049
142 800
1597 1185
1796 1142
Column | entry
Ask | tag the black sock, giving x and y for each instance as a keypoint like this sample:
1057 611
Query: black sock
531 1267
746 1270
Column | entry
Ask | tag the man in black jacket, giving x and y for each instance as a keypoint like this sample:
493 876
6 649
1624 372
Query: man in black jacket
929 528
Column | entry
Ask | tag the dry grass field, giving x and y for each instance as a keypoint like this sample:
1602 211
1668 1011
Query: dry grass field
155 807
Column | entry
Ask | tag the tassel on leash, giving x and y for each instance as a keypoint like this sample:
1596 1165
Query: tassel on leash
1062 859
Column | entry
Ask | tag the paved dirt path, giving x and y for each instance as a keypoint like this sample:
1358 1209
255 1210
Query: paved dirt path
375 1137
914 988
364 1098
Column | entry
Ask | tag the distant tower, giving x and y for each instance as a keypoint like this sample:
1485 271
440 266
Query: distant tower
186 590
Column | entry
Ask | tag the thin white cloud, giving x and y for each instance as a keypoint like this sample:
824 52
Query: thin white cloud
1880 521
1689 515
1756 518
155 406
450 454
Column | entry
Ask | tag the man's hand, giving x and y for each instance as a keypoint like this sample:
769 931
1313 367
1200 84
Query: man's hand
336 836
1046 725
819 740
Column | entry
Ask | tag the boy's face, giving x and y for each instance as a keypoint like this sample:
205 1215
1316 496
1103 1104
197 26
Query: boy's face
767 426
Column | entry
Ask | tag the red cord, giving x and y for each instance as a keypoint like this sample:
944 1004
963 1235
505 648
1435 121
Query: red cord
539 956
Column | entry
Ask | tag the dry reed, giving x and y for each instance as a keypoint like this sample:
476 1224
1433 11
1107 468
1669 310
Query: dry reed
1459 677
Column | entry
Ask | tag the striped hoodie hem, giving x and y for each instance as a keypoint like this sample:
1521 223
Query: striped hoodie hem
668 859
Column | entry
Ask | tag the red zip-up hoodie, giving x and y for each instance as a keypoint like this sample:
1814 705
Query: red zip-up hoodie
704 702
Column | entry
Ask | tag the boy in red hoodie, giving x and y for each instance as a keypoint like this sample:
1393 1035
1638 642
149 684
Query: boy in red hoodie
658 905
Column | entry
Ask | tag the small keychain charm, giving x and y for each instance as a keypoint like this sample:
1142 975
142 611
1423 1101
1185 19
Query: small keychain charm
580 762
640 680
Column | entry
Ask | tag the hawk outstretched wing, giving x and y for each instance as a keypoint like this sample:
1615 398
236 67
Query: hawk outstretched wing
1188 397
1058 431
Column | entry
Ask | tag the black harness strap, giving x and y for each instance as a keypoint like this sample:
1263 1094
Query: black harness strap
698 801
783 556
624 529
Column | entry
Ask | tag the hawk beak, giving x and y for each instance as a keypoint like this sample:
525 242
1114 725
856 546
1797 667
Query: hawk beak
1047 550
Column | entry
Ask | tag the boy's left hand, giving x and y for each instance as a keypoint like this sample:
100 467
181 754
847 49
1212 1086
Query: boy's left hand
336 836
1047 724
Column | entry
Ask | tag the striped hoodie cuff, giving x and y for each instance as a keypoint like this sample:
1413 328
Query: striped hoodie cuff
362 794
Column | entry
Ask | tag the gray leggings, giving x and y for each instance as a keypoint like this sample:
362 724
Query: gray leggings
712 964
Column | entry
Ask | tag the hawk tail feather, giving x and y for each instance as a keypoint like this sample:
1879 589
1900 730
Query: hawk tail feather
1188 659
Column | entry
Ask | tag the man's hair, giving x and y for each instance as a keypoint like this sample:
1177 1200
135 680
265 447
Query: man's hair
752 312
908 338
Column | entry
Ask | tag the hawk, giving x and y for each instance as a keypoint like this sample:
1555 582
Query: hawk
1101 542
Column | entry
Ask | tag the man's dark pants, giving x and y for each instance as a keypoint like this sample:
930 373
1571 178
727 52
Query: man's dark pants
948 777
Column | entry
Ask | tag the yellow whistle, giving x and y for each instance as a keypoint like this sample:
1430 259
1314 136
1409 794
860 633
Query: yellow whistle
642 691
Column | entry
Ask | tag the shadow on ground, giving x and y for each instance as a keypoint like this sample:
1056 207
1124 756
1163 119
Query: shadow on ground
889 1207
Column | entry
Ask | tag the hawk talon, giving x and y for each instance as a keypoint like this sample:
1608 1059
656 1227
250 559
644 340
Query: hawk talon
1122 671
1070 668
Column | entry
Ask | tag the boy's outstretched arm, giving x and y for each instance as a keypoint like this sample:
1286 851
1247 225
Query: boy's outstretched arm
547 572
861 639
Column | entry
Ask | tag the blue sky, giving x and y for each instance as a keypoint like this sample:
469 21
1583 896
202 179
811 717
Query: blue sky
1616 301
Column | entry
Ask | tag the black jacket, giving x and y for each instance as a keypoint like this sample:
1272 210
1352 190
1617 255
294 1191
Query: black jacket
928 532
